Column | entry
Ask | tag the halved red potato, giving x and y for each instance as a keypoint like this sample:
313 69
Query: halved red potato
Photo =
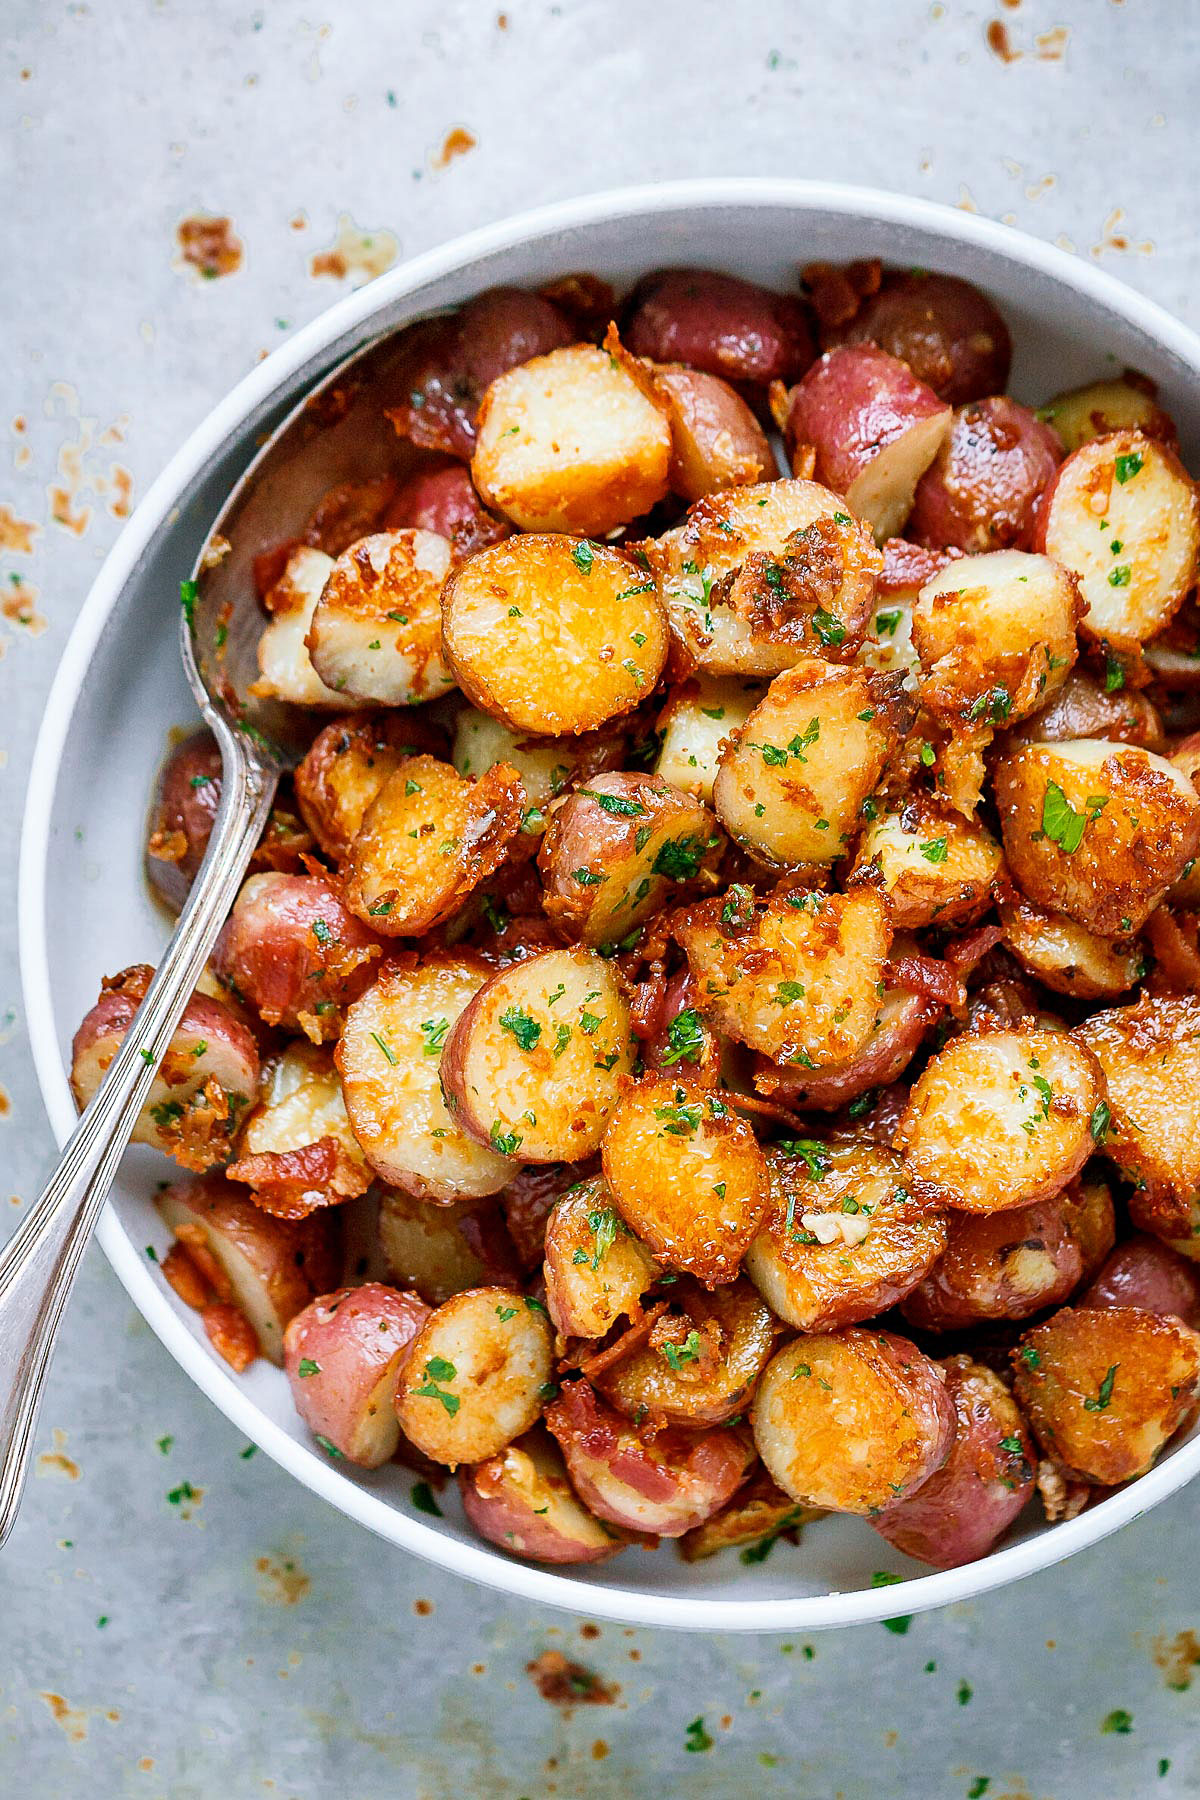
699 715
852 1420
1173 936
343 1355
529 1198
934 866
345 767
1096 830
665 1484
568 442
269 1268
533 1065
718 323
522 1501
616 849
1102 407
376 633
947 331
476 1376
1064 955
716 441
675 1034
1185 756
285 668
440 496
427 840
985 1482
1150 1054
752 1521
440 1248
1123 516
793 779
389 1060
187 795
546 765
295 953
906 1015
1104 1388
553 636
758 577
796 976
296 1149
203 1084
875 428
1085 707
1147 1274
700 1362
999 1120
1006 1265
888 645
982 488
995 635
596 1270
344 513
842 1238
686 1175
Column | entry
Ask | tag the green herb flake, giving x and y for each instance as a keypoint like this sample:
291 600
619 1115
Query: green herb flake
886 623
583 556
1104 1395
422 1498
388 1053
1118 1720
1126 467
685 1038
1101 1118
1120 576
188 592
517 1022
695 1738
306 1367
934 850
679 1354
616 804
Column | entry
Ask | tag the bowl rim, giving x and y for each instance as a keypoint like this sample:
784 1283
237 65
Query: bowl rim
483 1563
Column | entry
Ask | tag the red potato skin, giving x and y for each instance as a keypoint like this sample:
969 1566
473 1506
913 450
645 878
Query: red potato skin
442 498
270 953
945 329
530 1198
716 441
972 1281
303 1256
666 1485
885 1057
181 821
502 1521
354 1335
1147 1274
377 741
907 567
719 324
967 1504
852 404
982 489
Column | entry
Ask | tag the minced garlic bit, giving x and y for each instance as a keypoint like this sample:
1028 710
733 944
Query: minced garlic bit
828 1227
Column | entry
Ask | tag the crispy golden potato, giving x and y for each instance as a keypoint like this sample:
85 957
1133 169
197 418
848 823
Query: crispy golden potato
522 1501
701 1360
1102 407
1064 955
1001 1119
294 952
389 1058
595 1269
798 976
547 766
686 1174
617 849
568 442
1105 1389
297 1150
761 576
427 840
852 1420
1185 756
476 1376
934 866
754 1519
1123 516
534 1064
995 635
793 779
1096 830
440 1248
716 441
842 1238
553 635
343 1355
376 632
699 716
346 766
905 1017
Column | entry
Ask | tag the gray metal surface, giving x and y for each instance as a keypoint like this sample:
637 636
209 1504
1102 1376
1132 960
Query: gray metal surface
176 1620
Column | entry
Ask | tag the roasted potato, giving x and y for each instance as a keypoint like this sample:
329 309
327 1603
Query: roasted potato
985 1482
1085 707
285 668
1096 830
616 849
389 1060
686 1175
204 1082
842 1238
699 715
947 331
716 441
528 1199
1124 517
522 1501
533 1065
568 442
595 1269
875 427
343 1355
1102 407
904 1018
793 779
758 1515
933 866
376 632
440 1248
297 1150
187 795
345 767
1144 1273
427 840
476 1376
1104 1389
719 324
666 1484
999 1120
547 766
440 497
982 488
888 645
553 636
294 952
1064 955
852 1420
700 1361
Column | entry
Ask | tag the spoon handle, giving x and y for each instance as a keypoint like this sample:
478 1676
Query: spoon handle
39 1262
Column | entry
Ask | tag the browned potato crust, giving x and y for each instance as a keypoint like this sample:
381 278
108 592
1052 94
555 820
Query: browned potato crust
440 1248
476 1376
756 1516
699 715
546 765
716 441
934 866
701 1361
522 1501
596 1270
687 1176
1064 955
345 768
376 632
1087 708
1105 1389
1102 407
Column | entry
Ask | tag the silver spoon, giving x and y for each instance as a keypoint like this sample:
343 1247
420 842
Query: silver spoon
337 433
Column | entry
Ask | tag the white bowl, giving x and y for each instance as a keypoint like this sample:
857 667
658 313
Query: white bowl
84 909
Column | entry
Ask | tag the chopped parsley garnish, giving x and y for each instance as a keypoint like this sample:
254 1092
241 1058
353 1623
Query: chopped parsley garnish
306 1367
188 592
1101 1118
1118 1719
438 1369
813 1153
422 1498
1105 1392
685 1038
388 1053
616 804
1126 467
831 631
505 1143
583 556
1114 674
679 1117
679 1354
695 1738
521 1026
585 878
934 850
679 858
1062 824
886 622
